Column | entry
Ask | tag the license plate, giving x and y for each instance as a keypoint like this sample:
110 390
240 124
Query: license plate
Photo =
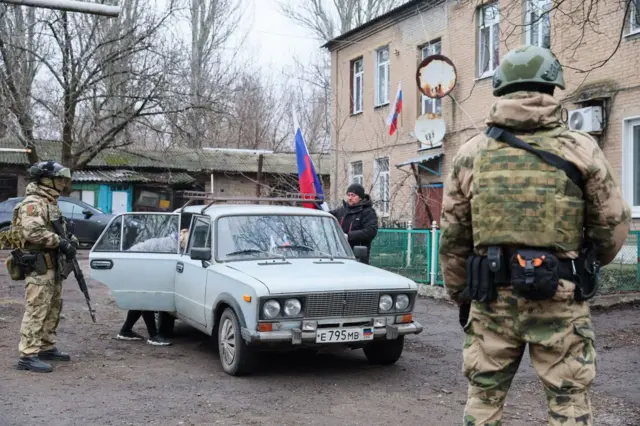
339 335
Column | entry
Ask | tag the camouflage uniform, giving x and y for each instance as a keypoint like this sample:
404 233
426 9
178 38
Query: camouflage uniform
558 330
32 217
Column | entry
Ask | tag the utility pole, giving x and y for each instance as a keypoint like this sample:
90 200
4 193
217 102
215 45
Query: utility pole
70 6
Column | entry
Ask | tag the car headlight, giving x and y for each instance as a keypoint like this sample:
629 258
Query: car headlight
292 307
271 309
386 303
402 302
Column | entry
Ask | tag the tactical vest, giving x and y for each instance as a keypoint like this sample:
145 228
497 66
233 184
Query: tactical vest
52 213
519 199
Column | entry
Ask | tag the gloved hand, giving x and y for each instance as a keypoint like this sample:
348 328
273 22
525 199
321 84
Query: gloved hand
67 248
463 314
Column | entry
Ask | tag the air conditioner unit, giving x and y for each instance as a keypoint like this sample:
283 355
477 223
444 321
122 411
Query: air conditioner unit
588 119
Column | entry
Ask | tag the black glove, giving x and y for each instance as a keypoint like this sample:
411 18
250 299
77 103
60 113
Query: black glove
463 314
67 248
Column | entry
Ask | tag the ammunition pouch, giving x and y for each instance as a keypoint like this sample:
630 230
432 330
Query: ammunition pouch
16 271
20 263
533 274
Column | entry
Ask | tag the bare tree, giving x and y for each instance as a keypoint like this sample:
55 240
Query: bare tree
18 69
102 75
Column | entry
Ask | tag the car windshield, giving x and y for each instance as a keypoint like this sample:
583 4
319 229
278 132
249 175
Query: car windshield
279 236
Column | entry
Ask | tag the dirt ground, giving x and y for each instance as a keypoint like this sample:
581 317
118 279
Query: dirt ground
131 383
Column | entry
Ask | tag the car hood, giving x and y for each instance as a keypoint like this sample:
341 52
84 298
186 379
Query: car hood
312 275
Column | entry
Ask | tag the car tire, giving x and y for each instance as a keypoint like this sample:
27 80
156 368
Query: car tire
5 228
165 323
385 352
236 357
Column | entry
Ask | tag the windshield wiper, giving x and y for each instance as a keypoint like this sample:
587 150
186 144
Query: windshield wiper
306 248
248 251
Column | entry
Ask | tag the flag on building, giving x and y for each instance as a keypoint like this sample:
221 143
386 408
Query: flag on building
392 120
309 182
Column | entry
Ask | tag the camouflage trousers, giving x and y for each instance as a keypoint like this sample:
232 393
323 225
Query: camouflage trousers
561 347
43 304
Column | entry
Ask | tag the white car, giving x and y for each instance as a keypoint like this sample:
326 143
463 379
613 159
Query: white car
256 276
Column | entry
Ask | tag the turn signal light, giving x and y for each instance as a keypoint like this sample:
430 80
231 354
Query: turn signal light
265 326
404 319
247 298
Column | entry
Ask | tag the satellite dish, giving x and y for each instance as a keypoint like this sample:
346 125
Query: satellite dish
576 121
430 129
436 76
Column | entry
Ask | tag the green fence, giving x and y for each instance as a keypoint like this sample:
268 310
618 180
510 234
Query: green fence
409 252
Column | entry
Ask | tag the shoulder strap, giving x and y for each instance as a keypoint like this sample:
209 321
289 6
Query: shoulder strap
569 168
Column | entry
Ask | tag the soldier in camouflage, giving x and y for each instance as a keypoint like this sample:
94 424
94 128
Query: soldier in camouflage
32 217
499 195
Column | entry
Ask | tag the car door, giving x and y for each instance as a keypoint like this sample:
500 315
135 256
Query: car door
136 257
191 275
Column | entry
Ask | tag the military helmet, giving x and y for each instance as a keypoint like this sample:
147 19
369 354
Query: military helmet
527 64
49 169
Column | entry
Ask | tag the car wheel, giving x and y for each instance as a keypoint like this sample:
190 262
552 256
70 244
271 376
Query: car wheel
385 352
165 323
235 356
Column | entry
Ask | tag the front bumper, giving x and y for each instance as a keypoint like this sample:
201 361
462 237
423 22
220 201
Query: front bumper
296 336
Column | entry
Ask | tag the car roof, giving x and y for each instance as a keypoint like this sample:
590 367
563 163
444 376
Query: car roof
251 209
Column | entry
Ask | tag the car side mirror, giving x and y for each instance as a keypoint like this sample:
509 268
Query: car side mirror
360 252
87 213
203 254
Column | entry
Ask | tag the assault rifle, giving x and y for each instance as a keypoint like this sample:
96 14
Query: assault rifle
71 265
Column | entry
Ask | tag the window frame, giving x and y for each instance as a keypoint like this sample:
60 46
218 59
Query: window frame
382 178
353 177
540 5
192 229
378 99
628 185
492 25
436 103
634 27
357 82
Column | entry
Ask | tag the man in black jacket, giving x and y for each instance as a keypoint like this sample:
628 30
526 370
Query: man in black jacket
357 218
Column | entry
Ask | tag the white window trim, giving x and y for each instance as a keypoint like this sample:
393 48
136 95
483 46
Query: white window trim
627 162
479 27
378 100
358 79
356 178
528 5
384 206
632 31
423 98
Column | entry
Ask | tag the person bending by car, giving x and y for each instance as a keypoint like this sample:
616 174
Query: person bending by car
156 337
358 219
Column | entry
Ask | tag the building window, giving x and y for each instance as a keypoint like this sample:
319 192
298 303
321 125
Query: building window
356 173
357 72
382 76
488 39
538 23
433 106
631 167
634 17
382 185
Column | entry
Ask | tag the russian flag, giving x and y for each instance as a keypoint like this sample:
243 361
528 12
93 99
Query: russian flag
310 185
392 120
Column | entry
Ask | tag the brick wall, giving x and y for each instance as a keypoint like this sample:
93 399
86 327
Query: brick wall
364 136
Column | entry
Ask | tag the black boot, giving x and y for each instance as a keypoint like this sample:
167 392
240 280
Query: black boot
33 363
54 355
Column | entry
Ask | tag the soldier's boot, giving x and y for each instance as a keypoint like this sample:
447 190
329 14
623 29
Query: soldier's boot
54 355
33 363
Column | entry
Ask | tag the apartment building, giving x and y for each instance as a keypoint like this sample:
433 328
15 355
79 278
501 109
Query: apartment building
601 59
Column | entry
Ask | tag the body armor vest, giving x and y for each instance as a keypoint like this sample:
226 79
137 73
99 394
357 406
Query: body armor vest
520 200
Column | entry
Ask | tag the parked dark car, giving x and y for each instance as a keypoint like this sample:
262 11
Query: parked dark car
89 222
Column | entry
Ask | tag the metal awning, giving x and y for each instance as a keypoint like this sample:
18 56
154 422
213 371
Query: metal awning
423 159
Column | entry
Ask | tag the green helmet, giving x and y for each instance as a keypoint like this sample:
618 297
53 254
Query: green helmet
49 169
527 64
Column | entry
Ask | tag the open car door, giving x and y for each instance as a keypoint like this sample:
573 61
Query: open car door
136 257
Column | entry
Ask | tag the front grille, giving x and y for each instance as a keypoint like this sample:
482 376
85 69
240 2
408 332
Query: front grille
342 304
